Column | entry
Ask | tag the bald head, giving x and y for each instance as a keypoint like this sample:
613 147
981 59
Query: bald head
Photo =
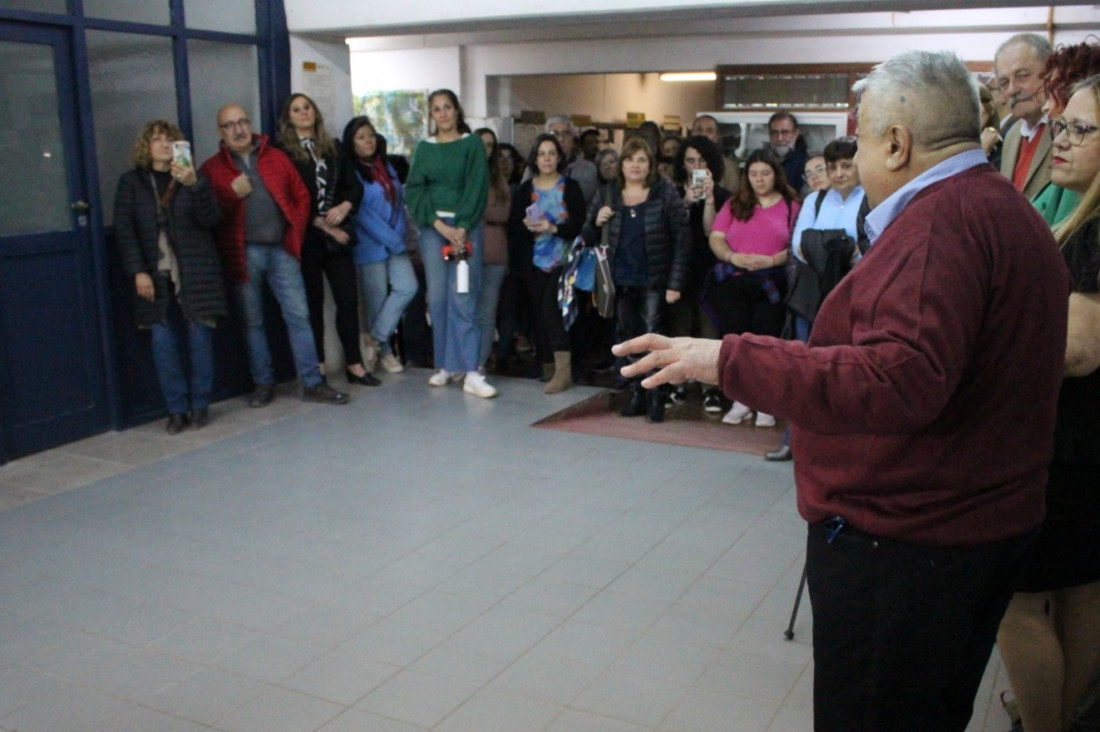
235 129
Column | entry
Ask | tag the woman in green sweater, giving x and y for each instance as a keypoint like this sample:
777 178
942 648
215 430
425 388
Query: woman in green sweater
446 191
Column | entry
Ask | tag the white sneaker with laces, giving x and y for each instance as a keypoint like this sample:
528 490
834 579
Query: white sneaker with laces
764 420
737 414
477 385
390 364
440 378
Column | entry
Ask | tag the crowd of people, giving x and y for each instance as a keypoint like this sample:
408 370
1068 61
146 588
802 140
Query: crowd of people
871 293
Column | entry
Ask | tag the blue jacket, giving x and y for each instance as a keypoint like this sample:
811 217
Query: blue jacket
379 224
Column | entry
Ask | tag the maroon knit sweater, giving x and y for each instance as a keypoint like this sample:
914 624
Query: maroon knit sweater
923 406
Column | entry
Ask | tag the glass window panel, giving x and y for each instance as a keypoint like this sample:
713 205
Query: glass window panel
235 67
227 16
792 92
34 192
154 12
38 6
132 81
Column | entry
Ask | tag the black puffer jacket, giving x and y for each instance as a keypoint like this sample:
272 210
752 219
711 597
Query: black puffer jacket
192 213
667 234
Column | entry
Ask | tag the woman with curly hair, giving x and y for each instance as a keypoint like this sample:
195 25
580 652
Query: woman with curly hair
164 211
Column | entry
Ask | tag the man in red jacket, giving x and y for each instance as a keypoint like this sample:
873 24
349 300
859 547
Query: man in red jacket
922 408
264 207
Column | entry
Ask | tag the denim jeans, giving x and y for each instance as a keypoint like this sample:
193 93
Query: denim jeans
492 276
282 273
169 364
456 336
388 288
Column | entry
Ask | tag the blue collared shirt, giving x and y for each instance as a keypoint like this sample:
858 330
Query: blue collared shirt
884 214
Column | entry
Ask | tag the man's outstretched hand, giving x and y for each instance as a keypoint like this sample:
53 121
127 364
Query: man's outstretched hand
676 359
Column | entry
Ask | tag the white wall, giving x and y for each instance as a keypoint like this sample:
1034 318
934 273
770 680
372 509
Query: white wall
330 84
483 68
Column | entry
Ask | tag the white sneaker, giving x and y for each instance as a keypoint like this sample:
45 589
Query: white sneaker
764 420
737 414
390 364
478 386
440 378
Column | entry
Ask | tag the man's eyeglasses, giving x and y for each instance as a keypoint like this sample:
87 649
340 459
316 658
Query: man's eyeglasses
1075 131
242 123
562 134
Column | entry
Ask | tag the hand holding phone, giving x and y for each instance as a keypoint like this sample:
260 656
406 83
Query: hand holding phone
533 213
181 153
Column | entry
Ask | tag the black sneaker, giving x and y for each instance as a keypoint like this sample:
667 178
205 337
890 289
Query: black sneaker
324 394
712 402
262 396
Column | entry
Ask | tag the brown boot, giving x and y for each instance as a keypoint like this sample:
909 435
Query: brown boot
563 373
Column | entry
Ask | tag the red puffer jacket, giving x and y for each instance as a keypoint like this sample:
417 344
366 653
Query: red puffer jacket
284 184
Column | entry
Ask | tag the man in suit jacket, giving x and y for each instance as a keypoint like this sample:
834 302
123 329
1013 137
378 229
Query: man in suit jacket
1026 154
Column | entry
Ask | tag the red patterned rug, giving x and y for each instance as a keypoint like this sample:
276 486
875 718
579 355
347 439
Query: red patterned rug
684 424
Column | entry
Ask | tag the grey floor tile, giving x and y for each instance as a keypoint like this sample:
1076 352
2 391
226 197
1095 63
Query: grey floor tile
229 579
281 710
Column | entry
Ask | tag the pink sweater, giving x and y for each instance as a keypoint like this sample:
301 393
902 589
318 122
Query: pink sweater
768 230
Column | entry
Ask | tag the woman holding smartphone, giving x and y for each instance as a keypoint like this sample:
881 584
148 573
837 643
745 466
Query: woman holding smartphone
164 211
547 214
447 190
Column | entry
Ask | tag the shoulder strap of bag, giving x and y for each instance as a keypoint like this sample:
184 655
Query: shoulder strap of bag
817 204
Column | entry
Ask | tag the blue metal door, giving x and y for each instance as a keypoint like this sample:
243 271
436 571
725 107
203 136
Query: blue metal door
52 366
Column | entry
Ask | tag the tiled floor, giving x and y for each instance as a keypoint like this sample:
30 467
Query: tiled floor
418 560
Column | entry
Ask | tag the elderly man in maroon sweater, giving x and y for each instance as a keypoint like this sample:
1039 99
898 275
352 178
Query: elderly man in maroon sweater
922 408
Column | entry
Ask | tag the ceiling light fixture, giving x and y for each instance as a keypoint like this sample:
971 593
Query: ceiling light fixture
689 76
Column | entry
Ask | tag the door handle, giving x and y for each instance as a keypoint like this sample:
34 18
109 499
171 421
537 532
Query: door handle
80 206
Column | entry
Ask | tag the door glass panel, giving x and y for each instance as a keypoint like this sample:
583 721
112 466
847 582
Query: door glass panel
132 81
133 11
235 67
34 193
38 6
228 16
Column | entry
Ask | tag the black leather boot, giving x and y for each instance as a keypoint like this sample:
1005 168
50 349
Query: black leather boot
655 405
636 404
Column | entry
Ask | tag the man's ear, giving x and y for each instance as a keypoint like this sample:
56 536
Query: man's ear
900 141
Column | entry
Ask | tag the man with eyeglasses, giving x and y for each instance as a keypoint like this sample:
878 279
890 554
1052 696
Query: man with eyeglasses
576 167
264 210
788 145
1026 154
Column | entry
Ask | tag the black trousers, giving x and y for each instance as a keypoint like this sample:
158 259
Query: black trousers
741 305
903 633
317 263
550 335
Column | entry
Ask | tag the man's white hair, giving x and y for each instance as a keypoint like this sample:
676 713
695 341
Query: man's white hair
1040 45
559 119
932 93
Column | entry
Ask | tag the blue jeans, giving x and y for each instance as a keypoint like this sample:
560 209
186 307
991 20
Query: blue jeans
492 276
456 336
169 364
282 273
388 288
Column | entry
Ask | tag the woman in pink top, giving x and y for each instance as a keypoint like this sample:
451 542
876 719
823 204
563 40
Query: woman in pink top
751 239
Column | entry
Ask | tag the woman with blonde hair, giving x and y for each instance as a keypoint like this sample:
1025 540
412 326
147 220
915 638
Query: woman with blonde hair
326 251
164 211
1050 635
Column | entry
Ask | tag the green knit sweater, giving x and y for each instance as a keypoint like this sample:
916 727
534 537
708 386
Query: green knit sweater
448 176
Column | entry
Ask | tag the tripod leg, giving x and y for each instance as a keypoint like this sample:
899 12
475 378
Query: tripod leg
789 632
